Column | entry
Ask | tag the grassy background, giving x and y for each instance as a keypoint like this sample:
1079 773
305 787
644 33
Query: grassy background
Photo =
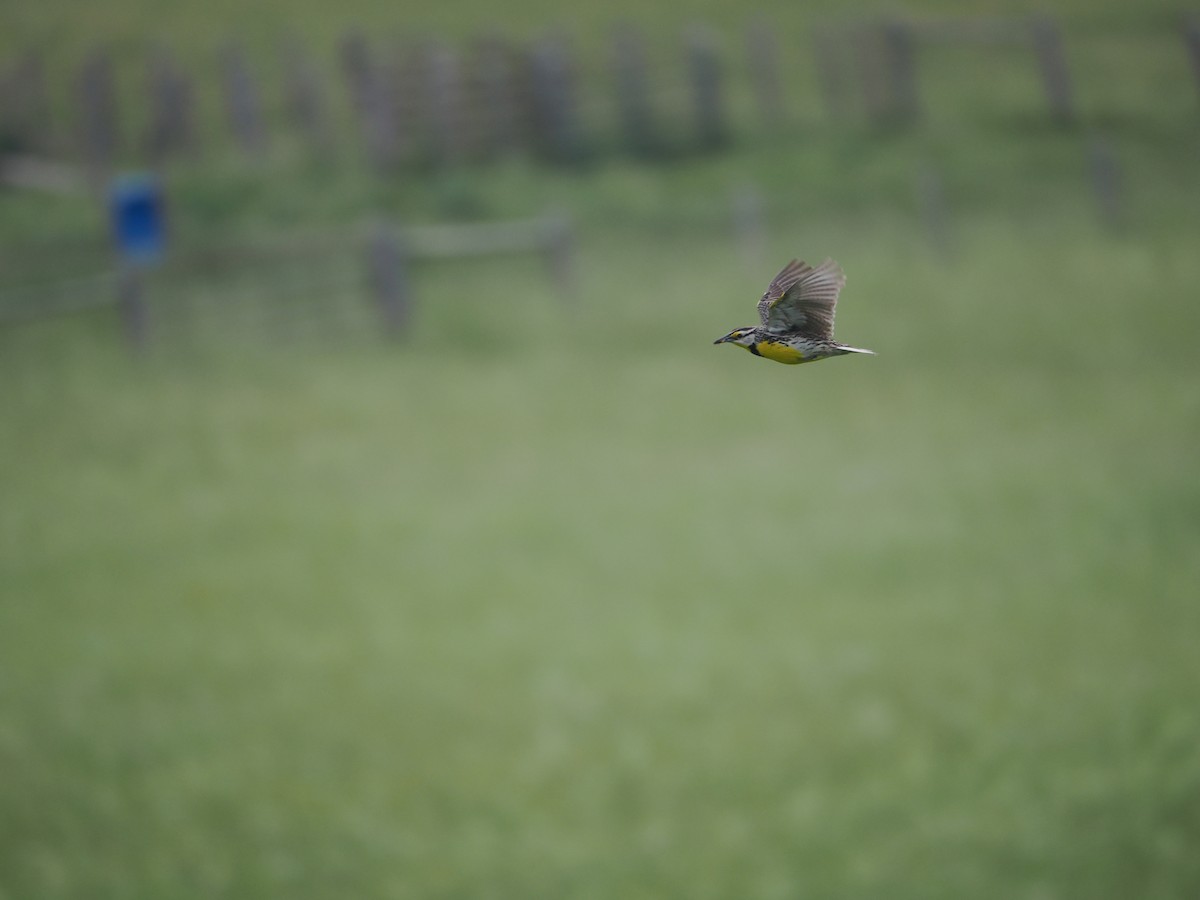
566 602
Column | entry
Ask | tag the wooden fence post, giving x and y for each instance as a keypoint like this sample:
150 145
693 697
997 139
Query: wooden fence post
749 224
243 103
406 74
1052 63
356 68
492 96
704 68
25 107
443 90
371 97
555 118
829 52
871 76
131 305
762 50
900 53
304 100
560 254
171 128
97 114
1105 170
633 95
1191 40
931 201
887 72
387 266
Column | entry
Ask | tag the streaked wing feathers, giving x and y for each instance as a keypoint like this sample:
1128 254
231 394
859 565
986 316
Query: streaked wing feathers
803 298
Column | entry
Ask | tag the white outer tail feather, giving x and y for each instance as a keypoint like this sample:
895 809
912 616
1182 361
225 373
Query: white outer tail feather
856 350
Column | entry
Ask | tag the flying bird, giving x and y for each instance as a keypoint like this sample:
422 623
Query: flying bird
796 316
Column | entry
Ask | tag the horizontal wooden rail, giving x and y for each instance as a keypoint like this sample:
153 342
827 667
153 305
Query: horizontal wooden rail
484 238
390 251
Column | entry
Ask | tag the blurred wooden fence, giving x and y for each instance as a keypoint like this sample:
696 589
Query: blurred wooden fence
361 268
427 103
883 58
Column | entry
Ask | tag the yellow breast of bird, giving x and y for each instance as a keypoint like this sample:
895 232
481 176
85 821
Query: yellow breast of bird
778 352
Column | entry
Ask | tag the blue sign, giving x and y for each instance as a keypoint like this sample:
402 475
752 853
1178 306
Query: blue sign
137 216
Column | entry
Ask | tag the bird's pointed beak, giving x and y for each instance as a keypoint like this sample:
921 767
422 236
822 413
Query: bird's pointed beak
721 340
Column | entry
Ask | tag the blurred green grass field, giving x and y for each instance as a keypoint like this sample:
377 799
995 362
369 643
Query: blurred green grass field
555 600
598 609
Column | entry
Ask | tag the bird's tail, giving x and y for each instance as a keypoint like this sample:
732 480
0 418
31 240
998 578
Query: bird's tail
846 349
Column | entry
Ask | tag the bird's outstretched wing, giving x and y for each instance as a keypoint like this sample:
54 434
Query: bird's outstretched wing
803 298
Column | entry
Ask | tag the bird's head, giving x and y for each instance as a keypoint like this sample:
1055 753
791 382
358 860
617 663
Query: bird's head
743 337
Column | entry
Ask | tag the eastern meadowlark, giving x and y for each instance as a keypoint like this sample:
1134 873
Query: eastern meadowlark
796 316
